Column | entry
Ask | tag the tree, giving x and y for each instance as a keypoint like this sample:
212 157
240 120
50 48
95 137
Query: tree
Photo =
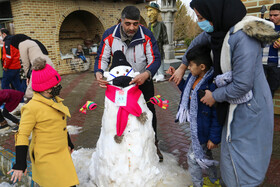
185 28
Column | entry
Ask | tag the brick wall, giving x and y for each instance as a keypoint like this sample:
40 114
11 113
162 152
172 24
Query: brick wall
63 24
253 8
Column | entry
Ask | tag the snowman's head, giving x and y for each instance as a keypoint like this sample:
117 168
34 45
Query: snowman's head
120 72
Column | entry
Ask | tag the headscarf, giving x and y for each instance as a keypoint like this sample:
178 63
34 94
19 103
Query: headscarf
223 14
18 38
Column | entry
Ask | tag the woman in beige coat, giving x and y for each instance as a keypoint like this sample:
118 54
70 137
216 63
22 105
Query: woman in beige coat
45 116
29 50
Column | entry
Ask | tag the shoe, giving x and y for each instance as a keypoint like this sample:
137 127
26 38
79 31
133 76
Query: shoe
4 125
160 156
15 129
207 182
154 78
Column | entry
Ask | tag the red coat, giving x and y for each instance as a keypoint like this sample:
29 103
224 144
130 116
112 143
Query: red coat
10 55
11 97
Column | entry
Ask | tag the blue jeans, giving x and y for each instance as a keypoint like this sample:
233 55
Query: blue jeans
196 171
82 57
11 76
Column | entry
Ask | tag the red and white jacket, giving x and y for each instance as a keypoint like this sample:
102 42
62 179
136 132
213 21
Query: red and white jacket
10 55
142 53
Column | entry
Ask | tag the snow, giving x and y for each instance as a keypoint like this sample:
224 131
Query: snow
133 162
73 129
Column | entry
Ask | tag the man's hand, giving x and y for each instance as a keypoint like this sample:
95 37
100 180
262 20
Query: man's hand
5 69
211 145
140 79
27 81
178 74
99 77
276 44
208 98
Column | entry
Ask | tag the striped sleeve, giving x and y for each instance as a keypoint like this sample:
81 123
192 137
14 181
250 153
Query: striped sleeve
104 53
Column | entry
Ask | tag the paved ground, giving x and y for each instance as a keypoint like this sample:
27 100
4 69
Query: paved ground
78 88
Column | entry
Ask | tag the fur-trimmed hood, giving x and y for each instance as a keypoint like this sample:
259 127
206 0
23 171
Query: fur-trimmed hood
255 27
258 28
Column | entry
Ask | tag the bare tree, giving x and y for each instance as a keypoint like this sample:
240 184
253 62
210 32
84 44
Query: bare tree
185 28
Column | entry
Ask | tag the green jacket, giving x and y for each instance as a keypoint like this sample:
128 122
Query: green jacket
160 34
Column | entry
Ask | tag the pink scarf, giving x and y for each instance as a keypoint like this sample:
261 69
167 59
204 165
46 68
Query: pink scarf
132 107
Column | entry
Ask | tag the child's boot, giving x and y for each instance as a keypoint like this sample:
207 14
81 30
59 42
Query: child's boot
15 129
208 182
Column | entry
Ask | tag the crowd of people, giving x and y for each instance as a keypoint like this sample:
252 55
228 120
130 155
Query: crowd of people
226 99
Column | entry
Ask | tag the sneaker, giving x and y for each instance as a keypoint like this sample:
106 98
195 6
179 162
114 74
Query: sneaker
160 78
15 129
207 181
4 125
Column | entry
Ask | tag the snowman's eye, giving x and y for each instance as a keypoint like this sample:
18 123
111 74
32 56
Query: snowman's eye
127 70
117 72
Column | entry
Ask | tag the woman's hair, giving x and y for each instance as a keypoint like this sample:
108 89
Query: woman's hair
6 31
200 54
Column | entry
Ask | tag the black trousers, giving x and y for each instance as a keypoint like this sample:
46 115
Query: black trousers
272 73
148 91
5 113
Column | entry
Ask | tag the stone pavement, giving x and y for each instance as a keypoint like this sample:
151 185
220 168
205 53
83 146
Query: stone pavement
174 138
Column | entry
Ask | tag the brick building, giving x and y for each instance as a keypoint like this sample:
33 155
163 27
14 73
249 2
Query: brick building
63 24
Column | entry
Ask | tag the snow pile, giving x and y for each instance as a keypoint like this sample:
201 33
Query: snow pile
74 129
169 173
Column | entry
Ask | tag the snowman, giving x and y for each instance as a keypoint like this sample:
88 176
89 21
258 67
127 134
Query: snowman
125 153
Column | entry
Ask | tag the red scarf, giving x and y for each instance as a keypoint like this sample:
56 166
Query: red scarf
132 106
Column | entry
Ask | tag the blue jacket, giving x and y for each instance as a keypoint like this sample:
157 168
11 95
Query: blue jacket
208 126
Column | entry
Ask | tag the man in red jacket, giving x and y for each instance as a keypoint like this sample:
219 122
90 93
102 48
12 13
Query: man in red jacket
11 63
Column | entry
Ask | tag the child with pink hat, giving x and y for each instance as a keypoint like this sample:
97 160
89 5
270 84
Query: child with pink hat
51 147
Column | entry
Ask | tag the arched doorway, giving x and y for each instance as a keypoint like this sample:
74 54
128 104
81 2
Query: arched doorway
78 28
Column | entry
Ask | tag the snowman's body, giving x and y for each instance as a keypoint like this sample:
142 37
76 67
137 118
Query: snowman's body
134 161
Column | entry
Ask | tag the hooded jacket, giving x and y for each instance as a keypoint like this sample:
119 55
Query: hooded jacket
142 53
11 55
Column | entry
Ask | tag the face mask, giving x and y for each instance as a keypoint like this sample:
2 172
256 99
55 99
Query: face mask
56 90
206 26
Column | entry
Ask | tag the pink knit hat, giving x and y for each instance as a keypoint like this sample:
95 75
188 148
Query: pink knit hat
43 75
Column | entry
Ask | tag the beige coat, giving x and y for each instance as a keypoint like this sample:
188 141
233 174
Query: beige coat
29 51
52 164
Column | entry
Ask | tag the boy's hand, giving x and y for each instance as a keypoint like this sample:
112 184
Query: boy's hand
211 145
171 70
